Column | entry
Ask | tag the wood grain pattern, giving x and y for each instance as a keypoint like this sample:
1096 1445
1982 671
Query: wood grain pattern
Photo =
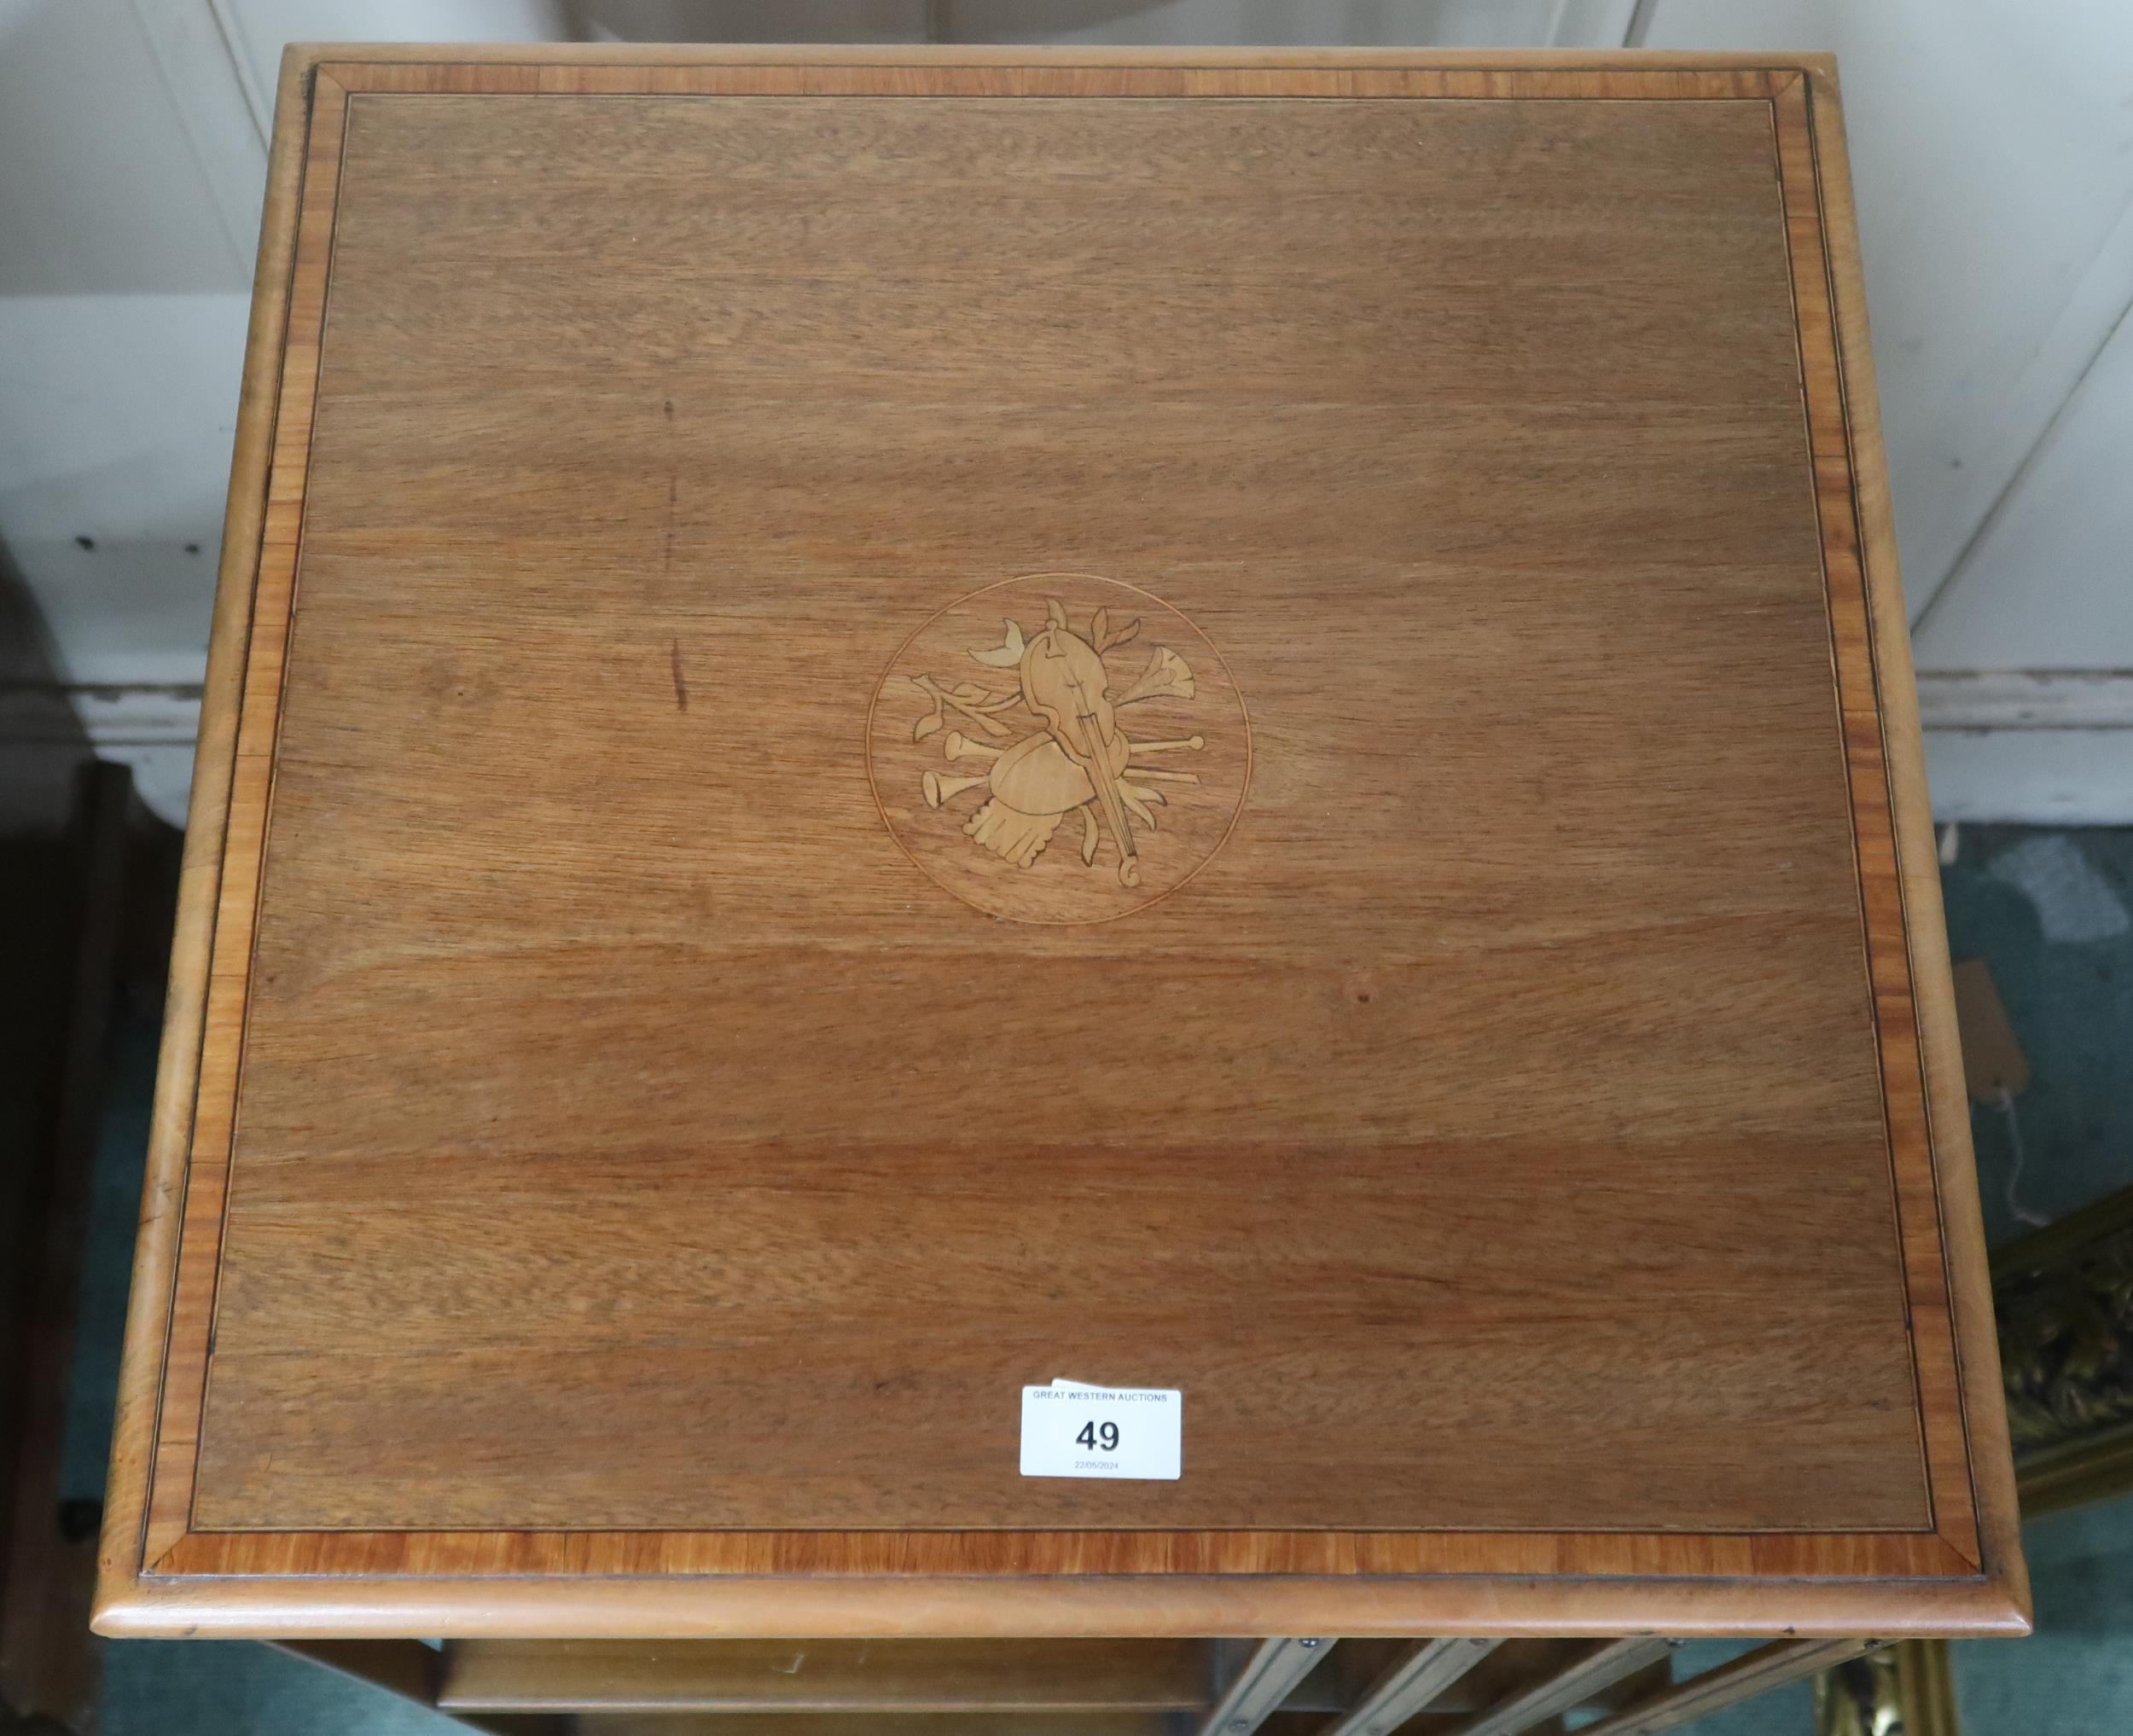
1888 961
358 728
1976 1347
1481 469
909 1676
159 1338
250 781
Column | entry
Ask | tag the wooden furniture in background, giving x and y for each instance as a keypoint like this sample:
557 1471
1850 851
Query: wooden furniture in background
884 726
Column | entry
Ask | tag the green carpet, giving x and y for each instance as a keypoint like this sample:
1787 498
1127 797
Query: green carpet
2070 1002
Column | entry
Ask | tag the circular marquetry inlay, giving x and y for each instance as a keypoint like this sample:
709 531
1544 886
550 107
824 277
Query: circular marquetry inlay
1059 747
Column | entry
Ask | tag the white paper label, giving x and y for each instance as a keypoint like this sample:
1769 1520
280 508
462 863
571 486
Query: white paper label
1070 1430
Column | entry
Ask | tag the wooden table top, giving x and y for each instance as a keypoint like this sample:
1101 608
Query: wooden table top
888 725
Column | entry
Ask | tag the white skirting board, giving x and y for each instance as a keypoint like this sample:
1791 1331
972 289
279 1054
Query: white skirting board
150 728
2048 748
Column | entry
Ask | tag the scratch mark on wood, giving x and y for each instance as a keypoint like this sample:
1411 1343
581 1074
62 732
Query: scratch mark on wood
674 494
680 686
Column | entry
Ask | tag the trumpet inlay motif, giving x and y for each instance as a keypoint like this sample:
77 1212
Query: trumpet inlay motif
1060 747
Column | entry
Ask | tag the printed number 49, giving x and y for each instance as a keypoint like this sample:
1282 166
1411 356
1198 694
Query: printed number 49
1106 1438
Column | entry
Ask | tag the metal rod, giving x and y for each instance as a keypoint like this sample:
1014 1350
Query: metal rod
1601 1665
1411 1685
1766 1667
1262 1684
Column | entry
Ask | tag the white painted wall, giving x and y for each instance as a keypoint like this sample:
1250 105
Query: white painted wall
258 30
1358 23
2049 583
1992 145
2047 592
1992 149
132 157
123 295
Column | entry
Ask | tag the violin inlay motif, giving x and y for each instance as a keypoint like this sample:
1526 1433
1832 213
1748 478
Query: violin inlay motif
1059 747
